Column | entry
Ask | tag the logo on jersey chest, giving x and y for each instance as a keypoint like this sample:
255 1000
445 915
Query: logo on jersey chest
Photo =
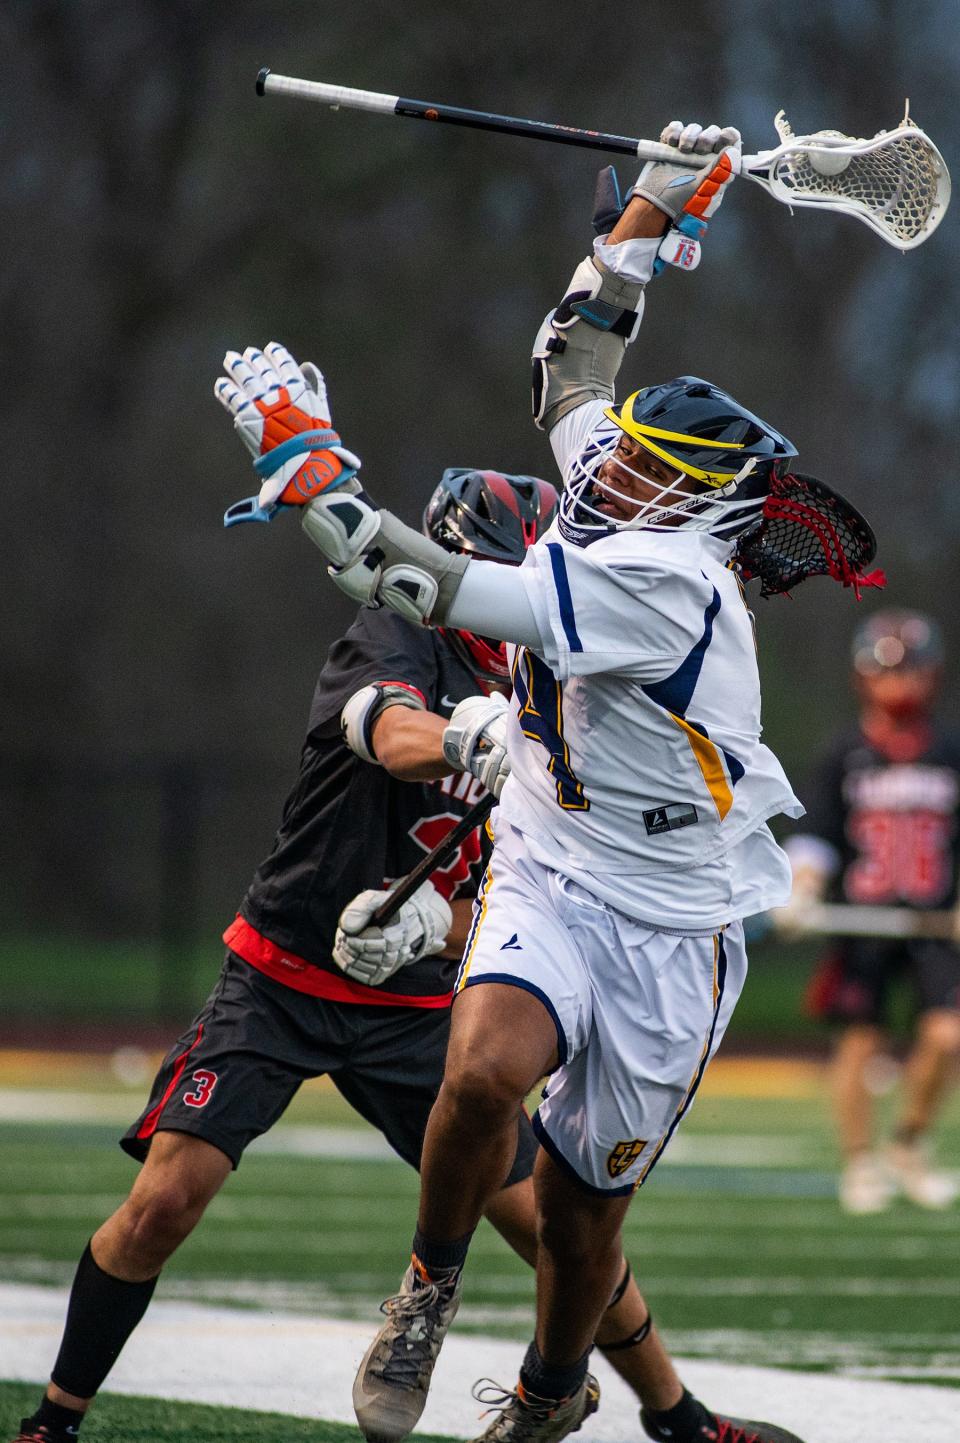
669 818
623 1155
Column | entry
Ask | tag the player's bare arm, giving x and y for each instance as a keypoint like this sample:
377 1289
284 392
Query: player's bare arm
409 744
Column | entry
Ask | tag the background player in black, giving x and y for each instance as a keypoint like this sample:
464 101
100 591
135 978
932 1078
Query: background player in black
299 996
883 827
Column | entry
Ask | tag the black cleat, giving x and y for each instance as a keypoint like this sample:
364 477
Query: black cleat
30 1432
715 1428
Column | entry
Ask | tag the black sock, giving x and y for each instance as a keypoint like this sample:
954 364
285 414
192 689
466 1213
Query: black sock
60 1422
102 1314
440 1257
551 1380
683 1422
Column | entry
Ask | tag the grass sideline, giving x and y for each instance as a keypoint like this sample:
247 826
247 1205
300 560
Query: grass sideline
118 1419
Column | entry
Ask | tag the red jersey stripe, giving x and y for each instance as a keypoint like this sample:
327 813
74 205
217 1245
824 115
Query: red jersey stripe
302 976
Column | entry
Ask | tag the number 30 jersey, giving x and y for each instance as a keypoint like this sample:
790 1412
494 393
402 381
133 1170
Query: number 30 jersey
635 735
891 827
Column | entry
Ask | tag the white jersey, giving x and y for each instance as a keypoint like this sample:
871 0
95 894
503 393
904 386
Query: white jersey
638 767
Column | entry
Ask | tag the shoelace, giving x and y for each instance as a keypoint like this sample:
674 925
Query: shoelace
407 1353
731 1433
528 1416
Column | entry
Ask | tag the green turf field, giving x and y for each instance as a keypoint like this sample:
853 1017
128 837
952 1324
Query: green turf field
151 1420
740 1246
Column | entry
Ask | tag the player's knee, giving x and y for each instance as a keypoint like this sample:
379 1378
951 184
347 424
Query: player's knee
483 1090
161 1214
941 1030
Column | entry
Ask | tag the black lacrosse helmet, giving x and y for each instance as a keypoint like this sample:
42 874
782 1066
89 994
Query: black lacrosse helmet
488 514
699 432
492 517
700 429
807 529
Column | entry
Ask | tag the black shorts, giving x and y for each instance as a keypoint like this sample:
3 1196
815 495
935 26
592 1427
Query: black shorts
853 982
234 1071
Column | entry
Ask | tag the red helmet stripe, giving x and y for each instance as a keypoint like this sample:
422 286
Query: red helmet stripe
502 489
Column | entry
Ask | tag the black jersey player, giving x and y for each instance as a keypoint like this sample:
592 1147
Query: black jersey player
883 828
299 996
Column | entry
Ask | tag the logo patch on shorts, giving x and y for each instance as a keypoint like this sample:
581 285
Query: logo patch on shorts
669 818
623 1155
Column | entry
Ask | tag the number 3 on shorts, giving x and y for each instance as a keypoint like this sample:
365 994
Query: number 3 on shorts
540 697
205 1083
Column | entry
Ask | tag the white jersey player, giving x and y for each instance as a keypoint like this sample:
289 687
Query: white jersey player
631 837
637 763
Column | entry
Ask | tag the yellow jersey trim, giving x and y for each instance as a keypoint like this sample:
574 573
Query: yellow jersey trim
708 759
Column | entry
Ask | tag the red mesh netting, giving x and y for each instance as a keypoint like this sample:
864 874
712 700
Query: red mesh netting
807 530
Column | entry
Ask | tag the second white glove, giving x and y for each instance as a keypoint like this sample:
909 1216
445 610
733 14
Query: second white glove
475 740
372 954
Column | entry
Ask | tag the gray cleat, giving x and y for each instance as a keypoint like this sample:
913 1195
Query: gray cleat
390 1390
525 1418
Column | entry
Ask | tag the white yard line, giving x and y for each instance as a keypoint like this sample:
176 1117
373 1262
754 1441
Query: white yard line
41 1105
304 1365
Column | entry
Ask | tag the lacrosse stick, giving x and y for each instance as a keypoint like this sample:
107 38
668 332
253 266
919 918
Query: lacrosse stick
434 861
897 183
821 919
806 529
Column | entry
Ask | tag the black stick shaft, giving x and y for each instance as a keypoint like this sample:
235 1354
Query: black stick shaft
513 125
433 861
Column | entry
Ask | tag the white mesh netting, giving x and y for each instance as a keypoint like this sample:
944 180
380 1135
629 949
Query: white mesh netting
896 184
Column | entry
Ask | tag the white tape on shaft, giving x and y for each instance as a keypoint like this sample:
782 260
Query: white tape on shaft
330 94
653 150
847 921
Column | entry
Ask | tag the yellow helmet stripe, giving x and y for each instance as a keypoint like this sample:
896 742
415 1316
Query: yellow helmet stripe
688 440
712 478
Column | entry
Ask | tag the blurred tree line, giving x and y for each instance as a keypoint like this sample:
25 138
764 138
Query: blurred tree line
155 213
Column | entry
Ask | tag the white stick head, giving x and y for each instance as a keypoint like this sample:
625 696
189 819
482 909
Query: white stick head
897 182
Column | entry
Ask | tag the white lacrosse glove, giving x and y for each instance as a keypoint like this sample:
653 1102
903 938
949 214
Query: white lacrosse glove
281 413
689 197
372 954
475 740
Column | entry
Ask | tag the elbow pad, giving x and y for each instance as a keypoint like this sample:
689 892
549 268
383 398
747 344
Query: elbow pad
580 346
363 708
379 561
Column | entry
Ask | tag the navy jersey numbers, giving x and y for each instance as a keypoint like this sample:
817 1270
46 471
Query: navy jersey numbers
540 700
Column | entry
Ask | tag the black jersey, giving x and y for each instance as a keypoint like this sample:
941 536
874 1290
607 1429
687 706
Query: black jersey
348 825
895 825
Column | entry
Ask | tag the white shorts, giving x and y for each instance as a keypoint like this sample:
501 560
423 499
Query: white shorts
638 1013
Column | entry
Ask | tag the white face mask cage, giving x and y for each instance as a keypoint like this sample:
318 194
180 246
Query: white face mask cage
715 509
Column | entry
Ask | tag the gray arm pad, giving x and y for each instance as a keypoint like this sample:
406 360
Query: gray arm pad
402 546
480 596
580 346
492 600
379 561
